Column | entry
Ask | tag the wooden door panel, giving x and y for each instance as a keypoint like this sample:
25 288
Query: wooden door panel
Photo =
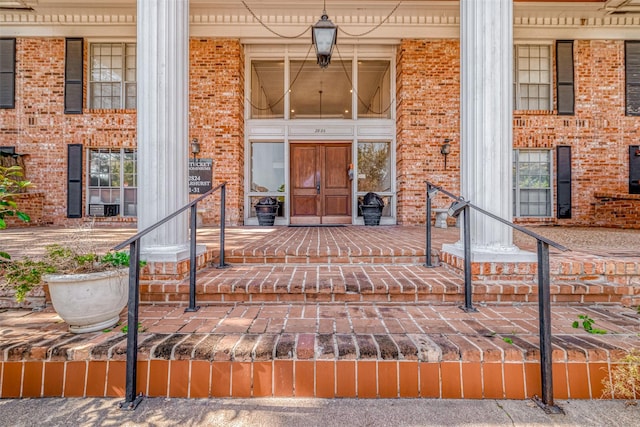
305 205
305 158
336 205
336 183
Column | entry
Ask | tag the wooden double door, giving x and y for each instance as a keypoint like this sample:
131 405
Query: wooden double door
320 183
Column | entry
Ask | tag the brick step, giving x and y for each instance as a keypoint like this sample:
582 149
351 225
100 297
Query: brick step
365 257
366 283
319 350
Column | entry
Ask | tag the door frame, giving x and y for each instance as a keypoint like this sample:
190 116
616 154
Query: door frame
315 131
319 219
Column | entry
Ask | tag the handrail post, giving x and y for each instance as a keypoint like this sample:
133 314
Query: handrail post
428 224
223 202
544 314
192 261
468 290
131 400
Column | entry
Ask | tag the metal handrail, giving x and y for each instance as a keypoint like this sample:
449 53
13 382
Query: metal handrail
131 399
544 281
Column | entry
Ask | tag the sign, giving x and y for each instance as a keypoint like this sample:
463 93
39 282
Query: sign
200 175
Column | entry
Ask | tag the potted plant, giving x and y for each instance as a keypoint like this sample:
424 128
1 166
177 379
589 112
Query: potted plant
87 290
266 210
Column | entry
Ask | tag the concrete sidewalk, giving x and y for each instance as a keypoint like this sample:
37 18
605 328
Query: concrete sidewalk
275 412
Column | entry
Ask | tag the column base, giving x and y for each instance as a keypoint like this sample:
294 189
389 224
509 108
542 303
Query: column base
491 254
171 262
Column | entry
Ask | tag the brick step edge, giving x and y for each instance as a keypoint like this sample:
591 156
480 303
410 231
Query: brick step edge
302 378
249 290
324 259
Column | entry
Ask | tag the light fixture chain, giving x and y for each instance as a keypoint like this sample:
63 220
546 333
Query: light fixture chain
270 106
356 90
269 29
374 28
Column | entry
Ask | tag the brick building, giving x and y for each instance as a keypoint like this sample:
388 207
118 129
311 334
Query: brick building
378 118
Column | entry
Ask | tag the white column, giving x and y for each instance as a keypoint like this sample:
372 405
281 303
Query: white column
486 49
162 113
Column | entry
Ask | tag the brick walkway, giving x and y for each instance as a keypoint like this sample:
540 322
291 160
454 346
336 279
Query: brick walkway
371 350
325 312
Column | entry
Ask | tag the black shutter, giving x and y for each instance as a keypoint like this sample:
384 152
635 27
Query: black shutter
563 178
634 169
632 67
73 76
74 181
564 77
7 73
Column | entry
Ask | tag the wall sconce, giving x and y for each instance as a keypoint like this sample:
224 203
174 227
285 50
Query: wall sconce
195 147
445 149
323 37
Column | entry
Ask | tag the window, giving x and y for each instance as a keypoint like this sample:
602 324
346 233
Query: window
267 173
113 76
267 89
632 67
113 179
7 73
321 93
374 172
299 89
532 183
532 77
374 89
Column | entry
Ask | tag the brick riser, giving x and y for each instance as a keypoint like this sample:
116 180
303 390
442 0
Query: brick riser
369 283
301 378
571 280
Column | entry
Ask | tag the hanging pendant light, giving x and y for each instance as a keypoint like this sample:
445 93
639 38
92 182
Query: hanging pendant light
323 36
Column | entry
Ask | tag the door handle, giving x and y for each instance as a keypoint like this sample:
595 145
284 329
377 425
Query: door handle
318 188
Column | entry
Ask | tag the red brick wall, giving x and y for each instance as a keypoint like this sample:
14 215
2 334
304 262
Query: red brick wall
39 127
216 99
428 84
428 96
32 204
617 210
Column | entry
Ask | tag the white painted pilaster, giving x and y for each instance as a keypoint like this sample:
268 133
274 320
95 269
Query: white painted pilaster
162 108
486 49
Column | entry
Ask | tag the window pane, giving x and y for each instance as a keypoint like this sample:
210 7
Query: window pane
267 89
111 63
106 166
318 93
374 89
374 167
533 193
533 77
267 167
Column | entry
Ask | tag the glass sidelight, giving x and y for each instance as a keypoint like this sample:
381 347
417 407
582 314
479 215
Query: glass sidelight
374 172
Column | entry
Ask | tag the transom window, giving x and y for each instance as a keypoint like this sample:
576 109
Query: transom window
112 77
299 89
113 179
532 183
532 77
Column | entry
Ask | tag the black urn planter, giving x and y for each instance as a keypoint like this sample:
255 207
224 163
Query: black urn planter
371 208
266 210
371 214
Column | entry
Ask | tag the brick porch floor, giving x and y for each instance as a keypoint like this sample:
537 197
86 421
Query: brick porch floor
374 337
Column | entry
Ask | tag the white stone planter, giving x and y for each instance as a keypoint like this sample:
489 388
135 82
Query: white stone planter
89 302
